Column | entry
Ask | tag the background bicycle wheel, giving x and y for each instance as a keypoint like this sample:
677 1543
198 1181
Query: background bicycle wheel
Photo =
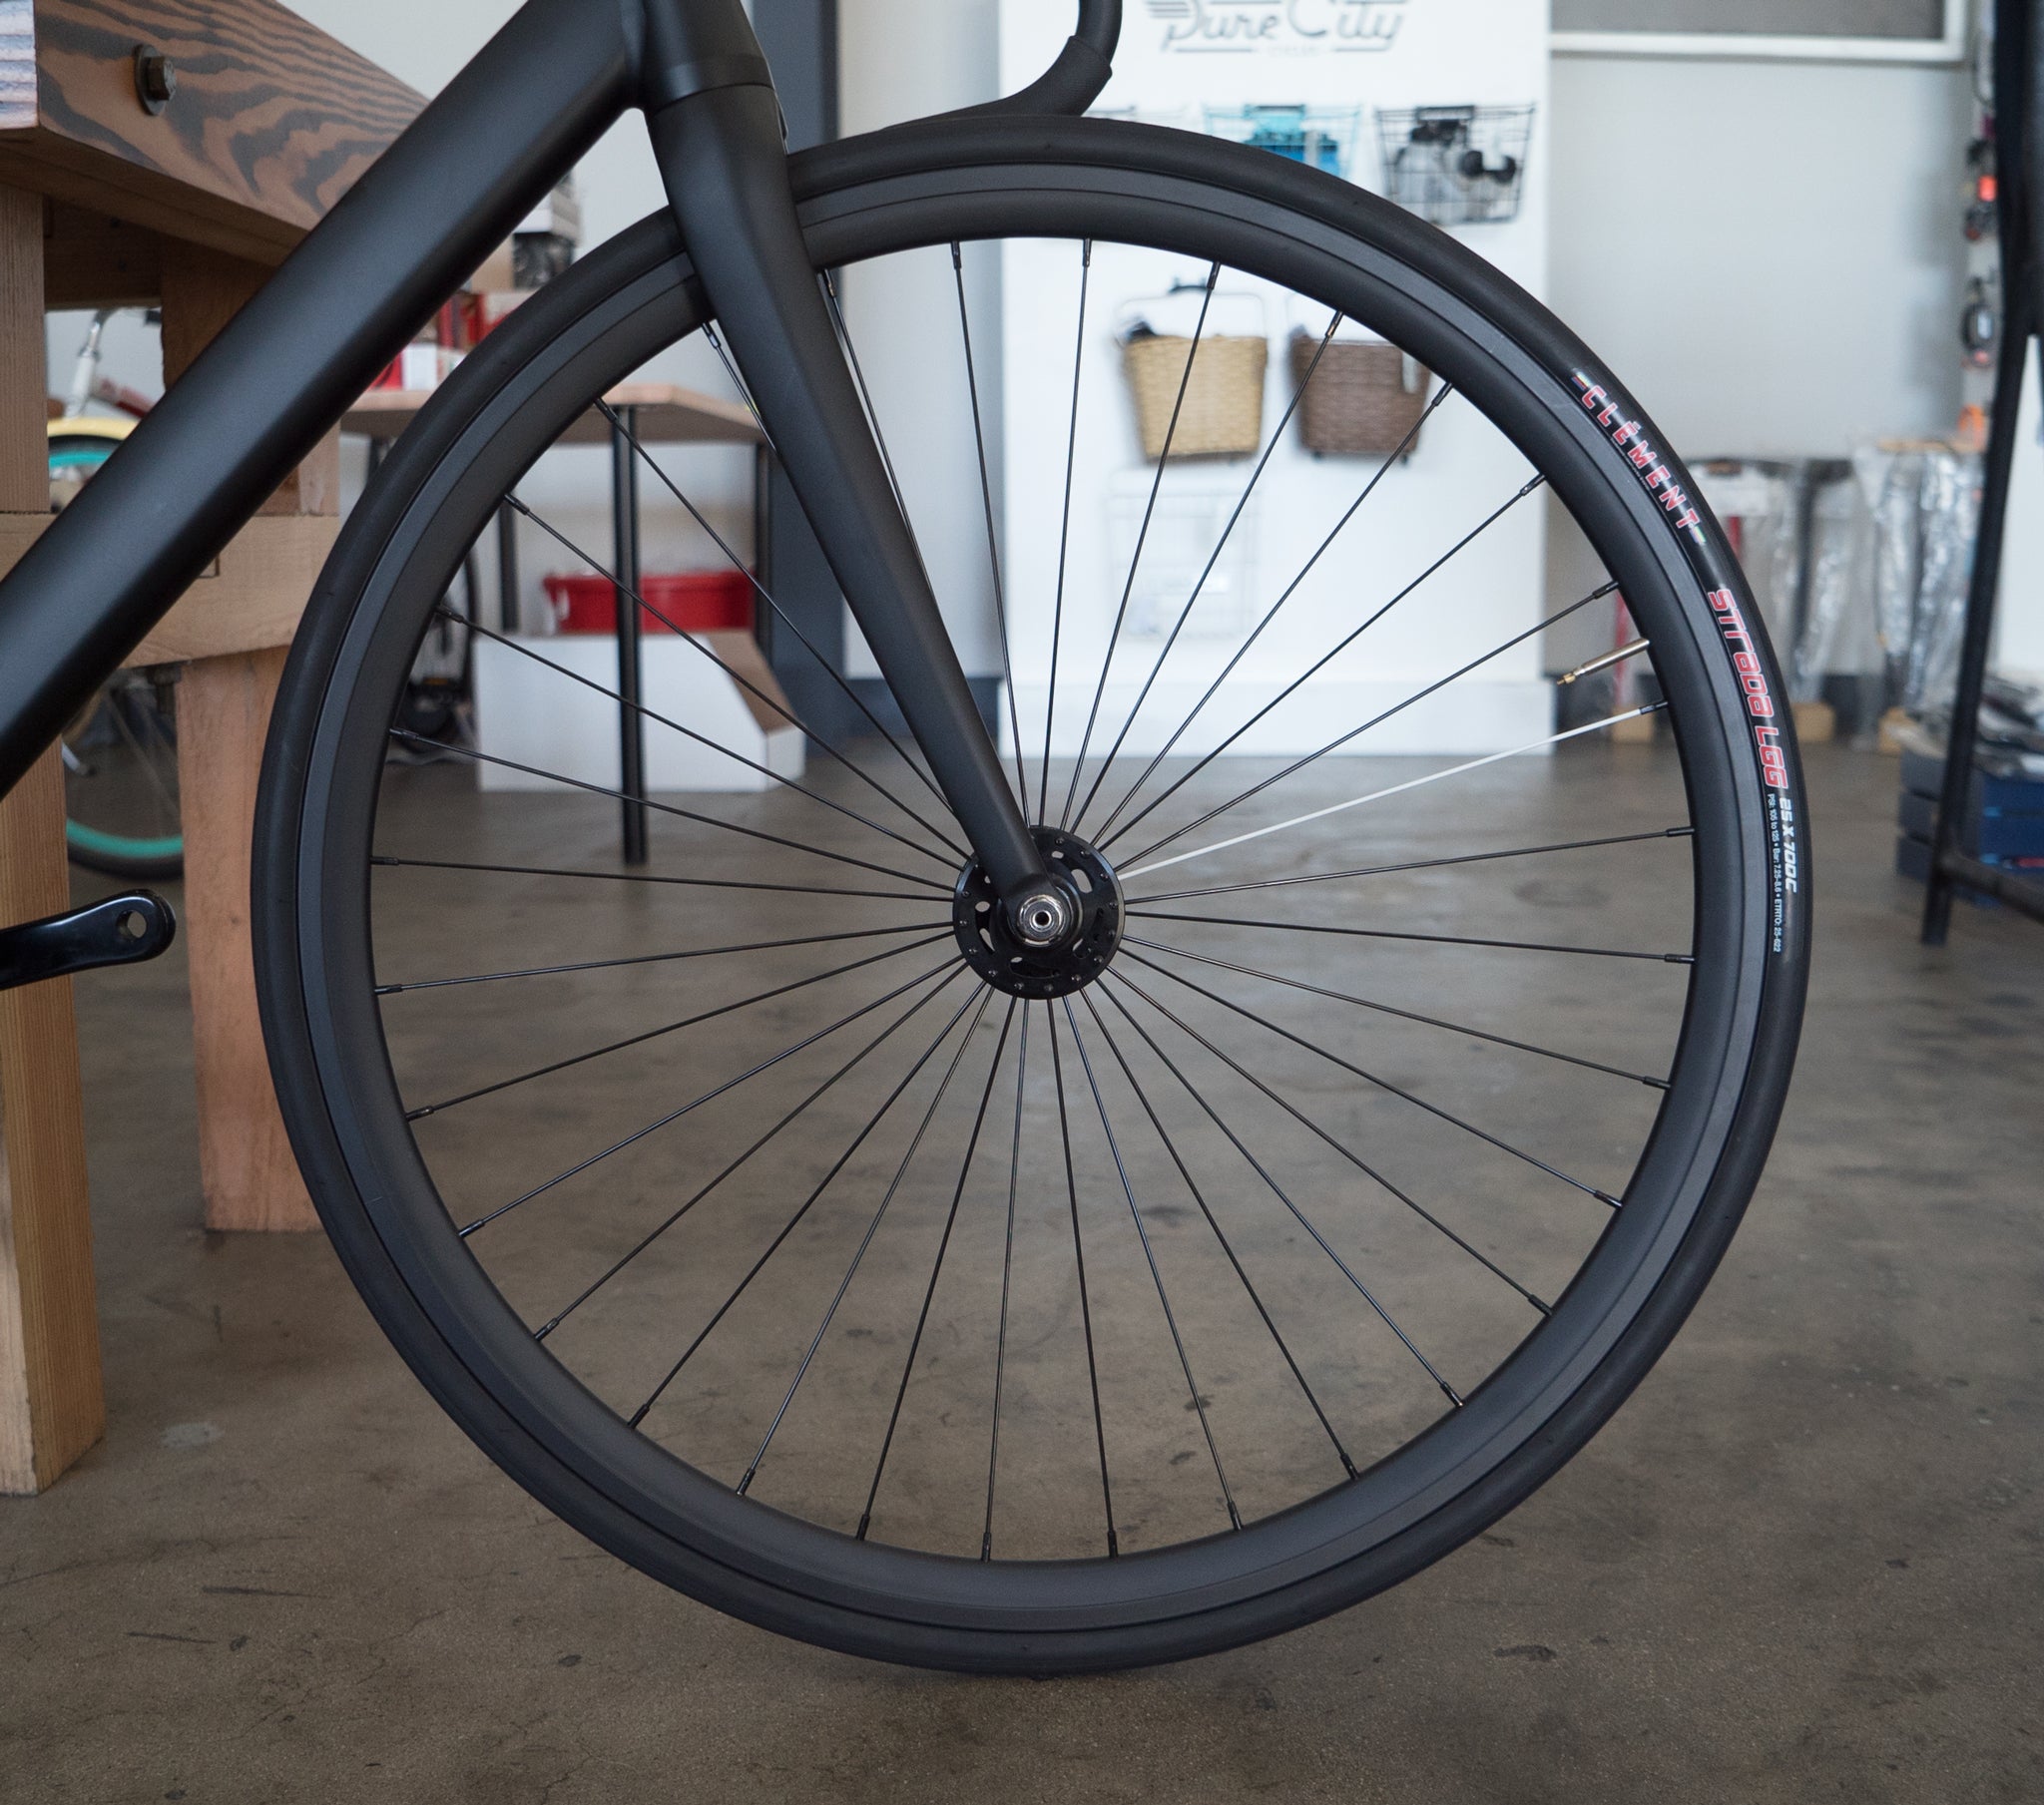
121 753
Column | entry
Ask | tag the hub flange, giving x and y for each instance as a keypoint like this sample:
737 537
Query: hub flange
1006 959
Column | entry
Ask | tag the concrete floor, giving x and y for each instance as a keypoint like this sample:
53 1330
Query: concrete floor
1806 1561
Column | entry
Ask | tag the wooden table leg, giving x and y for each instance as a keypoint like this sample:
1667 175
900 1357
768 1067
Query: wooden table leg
51 1405
245 1161
246 1167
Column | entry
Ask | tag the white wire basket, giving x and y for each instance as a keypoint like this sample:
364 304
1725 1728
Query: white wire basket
1456 166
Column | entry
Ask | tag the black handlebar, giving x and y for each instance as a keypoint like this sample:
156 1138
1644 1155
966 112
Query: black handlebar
1073 83
1100 26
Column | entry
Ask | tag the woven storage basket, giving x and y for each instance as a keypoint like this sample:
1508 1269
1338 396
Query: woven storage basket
1223 415
1357 404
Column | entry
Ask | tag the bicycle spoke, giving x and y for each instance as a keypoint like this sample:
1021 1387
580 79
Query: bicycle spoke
738 382
653 1034
872 1228
1291 589
669 808
1405 1015
993 1454
612 965
809 1203
1150 1256
642 877
1381 1083
929 1296
143 761
1463 858
1121 614
1315 927
1376 721
744 682
1057 617
866 395
675 1116
950 972
828 667
1396 789
1085 1298
1227 1246
1199 588
1311 1126
993 547
1200 765
872 417
652 715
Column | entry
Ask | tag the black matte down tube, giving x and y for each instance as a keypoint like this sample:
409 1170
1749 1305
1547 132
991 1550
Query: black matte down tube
723 158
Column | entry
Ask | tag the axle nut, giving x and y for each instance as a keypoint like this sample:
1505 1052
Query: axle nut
1043 918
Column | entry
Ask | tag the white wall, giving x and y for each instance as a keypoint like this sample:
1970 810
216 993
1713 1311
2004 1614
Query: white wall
426 45
1489 52
1768 253
899 60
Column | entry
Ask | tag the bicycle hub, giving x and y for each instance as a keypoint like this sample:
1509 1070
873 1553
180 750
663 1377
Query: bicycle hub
1054 940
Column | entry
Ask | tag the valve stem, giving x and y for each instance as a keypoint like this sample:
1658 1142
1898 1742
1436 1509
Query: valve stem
1605 662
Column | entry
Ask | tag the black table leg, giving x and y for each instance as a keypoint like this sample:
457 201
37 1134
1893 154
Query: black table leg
630 722
2018 47
508 612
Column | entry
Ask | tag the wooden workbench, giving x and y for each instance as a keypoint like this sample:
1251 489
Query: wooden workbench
104 202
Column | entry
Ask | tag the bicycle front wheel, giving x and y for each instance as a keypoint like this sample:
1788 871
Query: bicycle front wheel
770 1217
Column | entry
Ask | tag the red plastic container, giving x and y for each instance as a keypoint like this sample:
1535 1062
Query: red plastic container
691 601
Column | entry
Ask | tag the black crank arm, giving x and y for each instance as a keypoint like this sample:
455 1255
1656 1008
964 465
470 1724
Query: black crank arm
121 930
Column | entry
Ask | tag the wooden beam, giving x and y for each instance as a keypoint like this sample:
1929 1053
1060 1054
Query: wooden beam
91 261
249 601
252 597
271 123
50 1402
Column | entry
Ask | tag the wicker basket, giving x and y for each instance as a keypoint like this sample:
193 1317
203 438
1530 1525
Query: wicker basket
1357 404
1223 415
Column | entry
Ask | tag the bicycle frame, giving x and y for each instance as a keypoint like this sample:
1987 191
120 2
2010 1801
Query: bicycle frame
476 162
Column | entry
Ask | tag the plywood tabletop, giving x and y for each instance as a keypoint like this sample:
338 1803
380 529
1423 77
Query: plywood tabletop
667 415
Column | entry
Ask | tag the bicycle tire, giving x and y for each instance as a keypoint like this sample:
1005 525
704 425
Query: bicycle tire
924 186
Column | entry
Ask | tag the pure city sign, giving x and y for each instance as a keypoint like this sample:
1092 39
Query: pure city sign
1237 25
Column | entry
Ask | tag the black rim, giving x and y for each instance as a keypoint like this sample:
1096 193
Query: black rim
733 1547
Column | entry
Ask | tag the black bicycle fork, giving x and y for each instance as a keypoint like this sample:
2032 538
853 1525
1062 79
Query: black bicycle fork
352 294
717 133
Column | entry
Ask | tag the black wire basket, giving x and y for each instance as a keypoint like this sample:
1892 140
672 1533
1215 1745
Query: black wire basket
1456 166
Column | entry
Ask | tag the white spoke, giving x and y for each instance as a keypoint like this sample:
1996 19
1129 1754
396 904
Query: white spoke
1396 789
